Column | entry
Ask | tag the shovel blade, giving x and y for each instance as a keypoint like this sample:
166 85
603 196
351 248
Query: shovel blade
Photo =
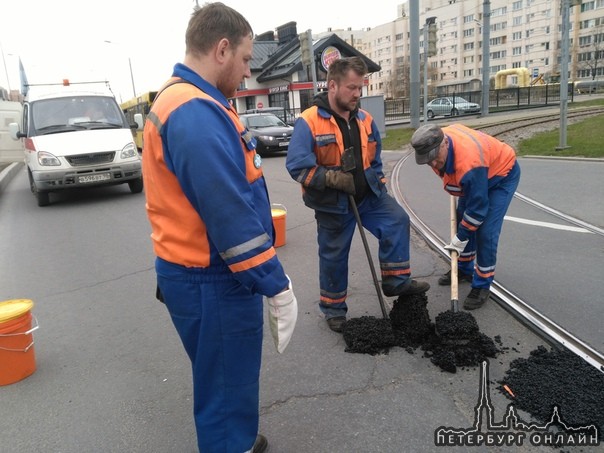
348 160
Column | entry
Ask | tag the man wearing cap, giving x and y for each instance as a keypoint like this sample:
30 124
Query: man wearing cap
483 172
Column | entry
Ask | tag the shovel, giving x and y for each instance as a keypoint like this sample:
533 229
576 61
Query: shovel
349 164
454 257
455 327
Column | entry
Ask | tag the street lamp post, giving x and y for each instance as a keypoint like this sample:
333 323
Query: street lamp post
131 77
129 67
5 69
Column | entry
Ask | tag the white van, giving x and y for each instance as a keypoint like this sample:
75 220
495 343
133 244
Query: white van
75 139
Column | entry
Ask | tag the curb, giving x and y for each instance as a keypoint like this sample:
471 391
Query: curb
7 174
574 158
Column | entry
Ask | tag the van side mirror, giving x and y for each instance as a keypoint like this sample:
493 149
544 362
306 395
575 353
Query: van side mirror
15 133
138 119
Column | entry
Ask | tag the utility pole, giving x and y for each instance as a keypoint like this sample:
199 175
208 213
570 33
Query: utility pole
307 56
132 77
429 51
5 69
565 5
486 37
129 67
414 84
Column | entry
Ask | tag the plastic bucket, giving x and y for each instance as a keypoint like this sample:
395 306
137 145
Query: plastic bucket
17 356
279 214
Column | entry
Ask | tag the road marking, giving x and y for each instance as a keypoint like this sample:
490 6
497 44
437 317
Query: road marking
554 226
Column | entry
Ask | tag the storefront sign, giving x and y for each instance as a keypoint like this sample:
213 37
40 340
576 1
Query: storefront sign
279 89
329 55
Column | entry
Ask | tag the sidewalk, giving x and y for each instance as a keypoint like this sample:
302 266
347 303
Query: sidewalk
7 172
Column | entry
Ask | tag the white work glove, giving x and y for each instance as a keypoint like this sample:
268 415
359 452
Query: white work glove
282 316
456 245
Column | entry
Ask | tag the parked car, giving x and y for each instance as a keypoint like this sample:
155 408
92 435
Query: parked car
281 112
272 135
450 106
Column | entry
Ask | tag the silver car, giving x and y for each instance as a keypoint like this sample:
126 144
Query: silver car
450 106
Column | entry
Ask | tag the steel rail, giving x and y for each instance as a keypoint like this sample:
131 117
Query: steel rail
537 322
570 219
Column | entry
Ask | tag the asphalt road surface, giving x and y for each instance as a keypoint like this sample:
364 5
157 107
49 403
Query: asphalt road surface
112 375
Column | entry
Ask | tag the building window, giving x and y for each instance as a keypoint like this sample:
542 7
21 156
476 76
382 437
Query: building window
250 102
279 100
587 6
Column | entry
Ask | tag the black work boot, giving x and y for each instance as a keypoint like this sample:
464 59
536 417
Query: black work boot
408 288
336 323
476 298
445 280
261 444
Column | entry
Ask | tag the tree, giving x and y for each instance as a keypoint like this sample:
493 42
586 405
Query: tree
397 85
592 59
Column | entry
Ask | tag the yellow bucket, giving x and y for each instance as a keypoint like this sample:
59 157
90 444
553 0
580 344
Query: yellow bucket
279 214
17 357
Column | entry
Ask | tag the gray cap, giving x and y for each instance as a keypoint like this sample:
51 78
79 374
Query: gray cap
426 140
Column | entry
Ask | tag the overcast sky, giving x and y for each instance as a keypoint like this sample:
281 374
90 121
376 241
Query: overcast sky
58 39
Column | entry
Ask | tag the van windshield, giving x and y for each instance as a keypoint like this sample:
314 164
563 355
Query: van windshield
75 113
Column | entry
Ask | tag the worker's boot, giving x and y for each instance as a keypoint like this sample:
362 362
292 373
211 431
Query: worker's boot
261 444
476 298
336 323
407 288
445 280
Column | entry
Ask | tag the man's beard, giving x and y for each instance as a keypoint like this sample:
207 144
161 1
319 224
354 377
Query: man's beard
346 106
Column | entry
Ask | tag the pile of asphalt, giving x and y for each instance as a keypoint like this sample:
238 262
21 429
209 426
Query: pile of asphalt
557 378
458 342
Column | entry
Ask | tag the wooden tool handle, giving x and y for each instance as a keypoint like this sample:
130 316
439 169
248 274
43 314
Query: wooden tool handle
454 271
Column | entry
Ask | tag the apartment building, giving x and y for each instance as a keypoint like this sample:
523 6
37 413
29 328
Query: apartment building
523 34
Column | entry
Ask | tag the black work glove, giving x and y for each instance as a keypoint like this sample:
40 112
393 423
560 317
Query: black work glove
340 180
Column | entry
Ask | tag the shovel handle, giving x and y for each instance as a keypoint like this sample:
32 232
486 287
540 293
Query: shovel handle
357 216
454 270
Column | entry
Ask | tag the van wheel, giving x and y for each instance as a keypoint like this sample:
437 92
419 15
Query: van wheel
32 185
136 185
43 198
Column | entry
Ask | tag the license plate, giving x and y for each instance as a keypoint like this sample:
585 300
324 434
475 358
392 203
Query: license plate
283 143
94 178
